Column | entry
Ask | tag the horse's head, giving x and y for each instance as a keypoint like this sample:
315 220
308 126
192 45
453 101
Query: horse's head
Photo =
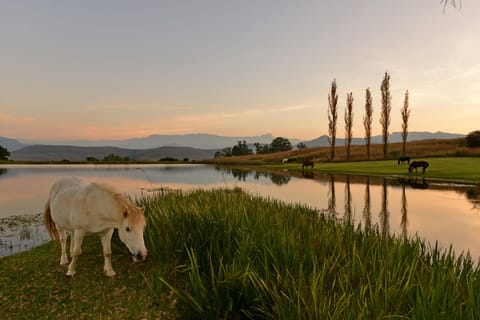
131 231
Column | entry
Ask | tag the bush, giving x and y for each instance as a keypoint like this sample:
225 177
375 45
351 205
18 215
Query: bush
473 139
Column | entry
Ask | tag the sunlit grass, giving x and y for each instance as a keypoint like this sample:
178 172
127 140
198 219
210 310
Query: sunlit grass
235 255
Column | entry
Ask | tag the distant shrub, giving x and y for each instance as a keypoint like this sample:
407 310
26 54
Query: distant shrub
473 139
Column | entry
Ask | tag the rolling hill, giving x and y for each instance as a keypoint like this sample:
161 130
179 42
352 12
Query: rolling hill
75 153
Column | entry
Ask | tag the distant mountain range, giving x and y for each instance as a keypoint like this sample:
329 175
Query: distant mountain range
155 147
322 141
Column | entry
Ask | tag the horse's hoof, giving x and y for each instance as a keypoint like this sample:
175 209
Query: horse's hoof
70 273
110 273
63 262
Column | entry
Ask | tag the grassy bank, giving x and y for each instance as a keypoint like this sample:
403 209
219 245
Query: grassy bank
449 160
226 254
461 169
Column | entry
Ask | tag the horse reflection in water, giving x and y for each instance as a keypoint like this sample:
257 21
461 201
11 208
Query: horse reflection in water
81 208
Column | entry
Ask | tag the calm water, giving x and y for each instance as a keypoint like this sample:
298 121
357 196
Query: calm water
449 214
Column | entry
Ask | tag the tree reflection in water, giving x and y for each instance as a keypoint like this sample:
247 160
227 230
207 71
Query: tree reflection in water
332 202
384 213
243 174
367 214
404 220
348 202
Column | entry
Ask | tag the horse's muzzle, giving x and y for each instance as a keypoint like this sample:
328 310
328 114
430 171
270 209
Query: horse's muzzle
139 256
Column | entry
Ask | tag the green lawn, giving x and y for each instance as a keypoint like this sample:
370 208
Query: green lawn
461 169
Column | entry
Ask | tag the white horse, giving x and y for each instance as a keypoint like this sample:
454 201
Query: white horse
81 208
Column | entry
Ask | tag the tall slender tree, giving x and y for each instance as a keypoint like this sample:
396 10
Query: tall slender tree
367 120
386 108
332 118
405 115
349 123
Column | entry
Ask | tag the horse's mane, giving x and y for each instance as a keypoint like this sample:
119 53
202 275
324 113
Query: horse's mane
122 200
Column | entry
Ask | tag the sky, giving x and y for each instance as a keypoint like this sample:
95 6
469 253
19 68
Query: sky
122 69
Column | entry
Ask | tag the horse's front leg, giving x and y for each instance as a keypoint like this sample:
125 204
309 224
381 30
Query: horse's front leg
106 238
77 237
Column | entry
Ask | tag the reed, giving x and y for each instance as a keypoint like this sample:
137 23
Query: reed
227 254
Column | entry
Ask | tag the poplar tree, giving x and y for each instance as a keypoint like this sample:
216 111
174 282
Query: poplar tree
348 123
386 108
332 117
367 120
405 115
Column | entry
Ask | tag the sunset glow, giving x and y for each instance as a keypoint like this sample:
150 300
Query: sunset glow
117 70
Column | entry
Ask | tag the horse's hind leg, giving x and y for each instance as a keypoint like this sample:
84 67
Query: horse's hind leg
77 237
107 253
63 243
72 242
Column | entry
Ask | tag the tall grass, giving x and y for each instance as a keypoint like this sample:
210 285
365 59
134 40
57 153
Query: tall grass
230 255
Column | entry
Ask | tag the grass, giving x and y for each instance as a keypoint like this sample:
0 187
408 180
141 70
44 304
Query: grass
460 169
224 254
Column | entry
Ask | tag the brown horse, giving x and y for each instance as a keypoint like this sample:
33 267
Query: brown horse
307 163
418 164
403 159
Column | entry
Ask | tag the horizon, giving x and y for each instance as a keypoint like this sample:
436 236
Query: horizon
56 142
121 70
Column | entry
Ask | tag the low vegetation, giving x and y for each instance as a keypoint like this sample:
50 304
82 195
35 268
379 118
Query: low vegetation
414 149
259 258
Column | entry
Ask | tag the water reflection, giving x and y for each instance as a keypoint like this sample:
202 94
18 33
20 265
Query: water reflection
367 213
332 201
473 195
404 211
384 213
241 174
348 202
434 211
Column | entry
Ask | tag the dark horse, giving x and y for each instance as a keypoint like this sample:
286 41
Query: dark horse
307 163
417 164
403 159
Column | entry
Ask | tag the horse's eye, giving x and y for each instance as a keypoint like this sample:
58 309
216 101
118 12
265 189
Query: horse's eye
127 229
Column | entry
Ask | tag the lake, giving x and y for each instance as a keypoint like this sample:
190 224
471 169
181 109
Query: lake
447 213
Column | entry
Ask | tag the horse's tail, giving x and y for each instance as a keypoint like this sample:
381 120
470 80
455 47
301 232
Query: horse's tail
49 224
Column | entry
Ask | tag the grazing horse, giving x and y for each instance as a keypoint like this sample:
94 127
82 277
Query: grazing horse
417 164
403 159
81 208
307 163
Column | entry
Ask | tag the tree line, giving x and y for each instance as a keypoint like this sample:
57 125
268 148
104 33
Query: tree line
385 118
241 148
